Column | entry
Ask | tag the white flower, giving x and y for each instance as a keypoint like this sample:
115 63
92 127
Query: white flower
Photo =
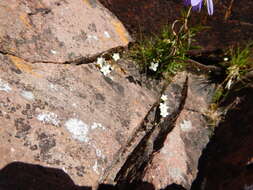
153 66
100 61
116 56
225 59
106 69
163 109
164 97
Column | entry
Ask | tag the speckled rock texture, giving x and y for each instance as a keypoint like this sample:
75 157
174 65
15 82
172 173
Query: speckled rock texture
64 125
58 31
66 116
177 161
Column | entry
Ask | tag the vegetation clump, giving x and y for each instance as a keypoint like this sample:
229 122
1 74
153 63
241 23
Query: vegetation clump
163 55
166 54
236 67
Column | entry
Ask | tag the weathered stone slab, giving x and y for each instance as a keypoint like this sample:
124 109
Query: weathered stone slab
177 160
227 161
58 31
67 117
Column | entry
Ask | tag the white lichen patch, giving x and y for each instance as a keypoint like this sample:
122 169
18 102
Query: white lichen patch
12 149
106 34
53 87
4 86
27 95
186 125
74 105
92 37
95 167
53 51
49 118
78 129
176 174
99 153
97 125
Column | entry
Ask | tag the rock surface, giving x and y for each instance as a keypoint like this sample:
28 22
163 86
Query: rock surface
65 116
68 126
58 31
177 161
227 162
167 153
57 115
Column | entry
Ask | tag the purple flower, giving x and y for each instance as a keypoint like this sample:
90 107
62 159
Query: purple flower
197 5
209 5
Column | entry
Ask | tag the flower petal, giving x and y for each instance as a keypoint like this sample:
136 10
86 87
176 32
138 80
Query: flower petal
197 7
196 2
187 2
210 7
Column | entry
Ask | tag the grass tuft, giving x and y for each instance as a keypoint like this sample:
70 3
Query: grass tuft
168 50
238 66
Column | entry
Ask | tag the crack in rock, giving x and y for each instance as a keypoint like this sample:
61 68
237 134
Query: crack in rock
78 61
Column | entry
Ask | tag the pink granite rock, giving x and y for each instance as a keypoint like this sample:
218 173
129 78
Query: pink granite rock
177 161
58 31
66 116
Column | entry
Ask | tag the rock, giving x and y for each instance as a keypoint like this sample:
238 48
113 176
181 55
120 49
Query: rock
177 161
166 156
227 162
58 31
155 128
68 117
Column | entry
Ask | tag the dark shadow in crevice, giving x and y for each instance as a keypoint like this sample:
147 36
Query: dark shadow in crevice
224 159
24 176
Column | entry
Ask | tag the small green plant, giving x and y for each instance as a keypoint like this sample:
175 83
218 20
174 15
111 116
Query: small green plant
213 115
165 54
236 68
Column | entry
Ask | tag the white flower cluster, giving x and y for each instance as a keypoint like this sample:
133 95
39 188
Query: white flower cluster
153 66
105 68
163 107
